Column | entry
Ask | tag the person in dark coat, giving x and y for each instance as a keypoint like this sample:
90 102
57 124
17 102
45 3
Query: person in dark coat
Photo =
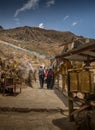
50 79
41 76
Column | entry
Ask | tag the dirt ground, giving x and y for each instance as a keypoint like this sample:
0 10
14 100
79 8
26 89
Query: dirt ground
35 121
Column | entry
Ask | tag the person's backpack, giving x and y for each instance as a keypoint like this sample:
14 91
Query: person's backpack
41 72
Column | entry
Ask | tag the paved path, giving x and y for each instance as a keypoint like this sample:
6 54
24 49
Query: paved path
35 109
35 99
35 121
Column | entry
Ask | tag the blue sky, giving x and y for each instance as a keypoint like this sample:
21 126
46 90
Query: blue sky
76 16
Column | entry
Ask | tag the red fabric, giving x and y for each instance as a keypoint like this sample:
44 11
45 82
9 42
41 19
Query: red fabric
46 74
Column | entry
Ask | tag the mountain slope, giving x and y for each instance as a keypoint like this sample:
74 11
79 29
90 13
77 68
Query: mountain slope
40 40
36 39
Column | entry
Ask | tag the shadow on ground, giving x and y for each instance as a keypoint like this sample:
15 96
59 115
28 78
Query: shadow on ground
61 96
64 124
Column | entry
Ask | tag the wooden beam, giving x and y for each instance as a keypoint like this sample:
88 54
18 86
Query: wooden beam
86 55
82 48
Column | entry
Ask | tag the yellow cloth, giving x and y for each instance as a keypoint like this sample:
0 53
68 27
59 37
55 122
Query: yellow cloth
15 64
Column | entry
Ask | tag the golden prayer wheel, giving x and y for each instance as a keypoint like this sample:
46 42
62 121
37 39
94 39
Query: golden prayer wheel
82 81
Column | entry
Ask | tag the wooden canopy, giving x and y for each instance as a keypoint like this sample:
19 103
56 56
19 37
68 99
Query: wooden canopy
85 52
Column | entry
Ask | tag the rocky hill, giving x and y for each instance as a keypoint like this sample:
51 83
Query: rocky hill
47 42
37 39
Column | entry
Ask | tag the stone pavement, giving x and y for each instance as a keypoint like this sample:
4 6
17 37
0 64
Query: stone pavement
35 109
34 99
35 121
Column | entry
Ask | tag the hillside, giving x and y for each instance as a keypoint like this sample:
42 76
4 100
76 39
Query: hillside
42 41
36 39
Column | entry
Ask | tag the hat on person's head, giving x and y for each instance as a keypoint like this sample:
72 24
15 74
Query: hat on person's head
50 68
43 65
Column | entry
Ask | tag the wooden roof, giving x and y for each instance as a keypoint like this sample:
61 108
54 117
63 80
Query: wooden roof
83 53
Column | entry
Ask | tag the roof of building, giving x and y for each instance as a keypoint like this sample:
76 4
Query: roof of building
84 52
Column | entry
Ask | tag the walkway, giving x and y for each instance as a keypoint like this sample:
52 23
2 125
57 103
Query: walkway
34 99
35 109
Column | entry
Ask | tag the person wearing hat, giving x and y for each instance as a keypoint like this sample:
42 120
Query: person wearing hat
41 76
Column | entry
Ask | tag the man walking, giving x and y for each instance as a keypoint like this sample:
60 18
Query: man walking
41 76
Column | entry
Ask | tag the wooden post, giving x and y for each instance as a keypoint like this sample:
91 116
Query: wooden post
57 80
63 83
70 102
